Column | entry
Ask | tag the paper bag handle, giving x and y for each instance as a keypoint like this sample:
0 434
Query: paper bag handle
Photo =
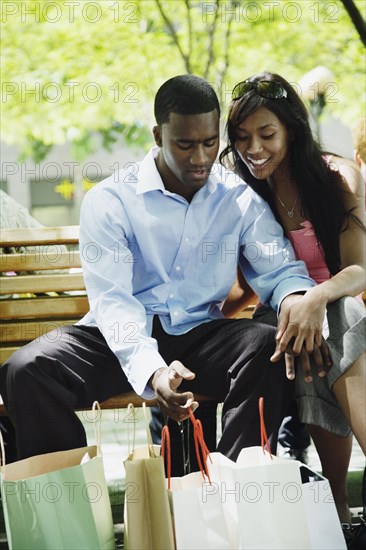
264 436
131 410
202 451
150 444
165 451
97 426
200 444
148 433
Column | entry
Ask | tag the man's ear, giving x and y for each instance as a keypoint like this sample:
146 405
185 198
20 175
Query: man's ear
157 136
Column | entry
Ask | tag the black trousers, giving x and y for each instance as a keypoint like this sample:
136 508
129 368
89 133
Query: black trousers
45 381
292 434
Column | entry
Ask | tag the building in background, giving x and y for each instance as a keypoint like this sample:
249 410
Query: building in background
53 189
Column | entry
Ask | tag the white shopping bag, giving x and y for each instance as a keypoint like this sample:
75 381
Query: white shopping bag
199 522
274 503
262 497
321 514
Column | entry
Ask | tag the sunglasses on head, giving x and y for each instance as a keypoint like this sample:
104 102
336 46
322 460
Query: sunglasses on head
269 89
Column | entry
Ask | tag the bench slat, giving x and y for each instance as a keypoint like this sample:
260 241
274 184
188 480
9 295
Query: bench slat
44 307
122 401
246 313
39 262
42 283
68 234
5 353
25 331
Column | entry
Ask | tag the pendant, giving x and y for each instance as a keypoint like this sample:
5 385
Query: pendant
290 214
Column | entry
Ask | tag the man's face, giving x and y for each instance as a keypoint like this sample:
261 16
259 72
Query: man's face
189 146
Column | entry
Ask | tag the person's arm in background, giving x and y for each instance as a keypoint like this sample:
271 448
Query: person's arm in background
240 297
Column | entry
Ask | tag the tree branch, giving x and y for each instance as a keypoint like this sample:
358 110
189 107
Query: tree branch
356 18
223 72
190 30
211 35
174 36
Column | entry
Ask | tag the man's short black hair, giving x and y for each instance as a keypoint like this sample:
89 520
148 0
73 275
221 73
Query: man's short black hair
185 95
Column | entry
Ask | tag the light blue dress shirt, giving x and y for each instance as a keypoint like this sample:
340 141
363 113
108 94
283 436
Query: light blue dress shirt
146 251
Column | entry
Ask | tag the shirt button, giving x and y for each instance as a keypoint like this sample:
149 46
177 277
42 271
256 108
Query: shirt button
171 295
176 313
187 239
177 268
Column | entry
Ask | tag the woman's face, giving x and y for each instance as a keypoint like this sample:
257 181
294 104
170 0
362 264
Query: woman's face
262 144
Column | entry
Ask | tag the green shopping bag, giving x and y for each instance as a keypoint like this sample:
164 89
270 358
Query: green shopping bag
58 500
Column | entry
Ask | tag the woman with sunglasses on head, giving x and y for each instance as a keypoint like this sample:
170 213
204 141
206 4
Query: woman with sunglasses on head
319 201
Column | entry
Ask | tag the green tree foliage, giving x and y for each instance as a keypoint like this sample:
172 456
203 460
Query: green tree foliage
71 69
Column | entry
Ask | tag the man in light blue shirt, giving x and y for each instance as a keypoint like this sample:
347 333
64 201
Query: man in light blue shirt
160 246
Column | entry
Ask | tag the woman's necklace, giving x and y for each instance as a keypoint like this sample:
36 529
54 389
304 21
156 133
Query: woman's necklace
290 213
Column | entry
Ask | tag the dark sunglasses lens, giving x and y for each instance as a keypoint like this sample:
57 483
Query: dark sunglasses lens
241 89
272 90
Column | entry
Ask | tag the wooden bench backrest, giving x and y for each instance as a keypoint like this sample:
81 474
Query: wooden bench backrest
38 290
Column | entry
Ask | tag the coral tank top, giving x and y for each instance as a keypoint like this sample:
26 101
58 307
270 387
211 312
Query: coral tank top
309 250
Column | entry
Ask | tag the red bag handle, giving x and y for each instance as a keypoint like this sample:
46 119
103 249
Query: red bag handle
264 436
200 445
202 451
165 443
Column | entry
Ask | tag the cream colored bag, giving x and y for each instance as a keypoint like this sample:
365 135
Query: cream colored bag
147 517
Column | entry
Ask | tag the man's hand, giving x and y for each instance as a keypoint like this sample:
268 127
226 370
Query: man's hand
319 358
299 333
165 383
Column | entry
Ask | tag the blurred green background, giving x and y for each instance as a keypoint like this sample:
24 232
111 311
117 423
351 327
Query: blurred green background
75 69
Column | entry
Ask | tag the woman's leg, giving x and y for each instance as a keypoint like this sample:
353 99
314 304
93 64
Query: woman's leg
338 403
334 450
350 391
334 453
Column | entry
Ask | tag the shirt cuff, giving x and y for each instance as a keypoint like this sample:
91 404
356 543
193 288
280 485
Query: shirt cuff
290 288
143 365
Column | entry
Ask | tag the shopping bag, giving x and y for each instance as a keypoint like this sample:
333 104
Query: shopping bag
147 518
321 514
198 521
58 500
267 504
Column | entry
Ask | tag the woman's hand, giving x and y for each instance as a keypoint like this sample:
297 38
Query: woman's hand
299 333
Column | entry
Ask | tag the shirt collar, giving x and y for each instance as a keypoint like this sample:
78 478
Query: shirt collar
149 179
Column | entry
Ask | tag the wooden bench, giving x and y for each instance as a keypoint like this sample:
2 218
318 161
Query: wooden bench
42 288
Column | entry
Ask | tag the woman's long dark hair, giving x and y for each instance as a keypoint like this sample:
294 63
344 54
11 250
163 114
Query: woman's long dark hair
319 187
